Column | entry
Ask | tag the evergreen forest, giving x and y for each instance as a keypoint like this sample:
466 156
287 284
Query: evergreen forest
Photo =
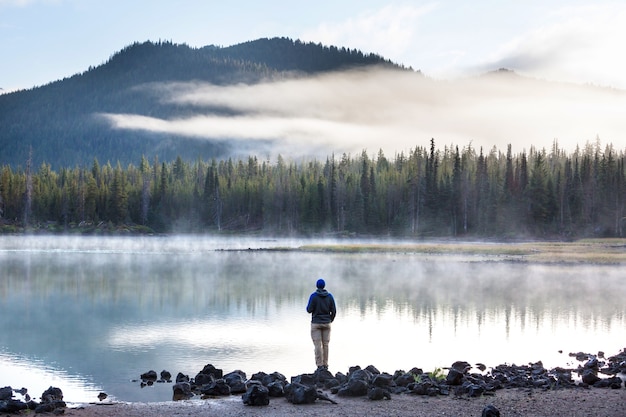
425 192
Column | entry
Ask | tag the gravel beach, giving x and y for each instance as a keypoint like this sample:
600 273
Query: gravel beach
510 402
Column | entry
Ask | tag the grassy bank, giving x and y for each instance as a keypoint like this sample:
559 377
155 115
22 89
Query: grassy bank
598 251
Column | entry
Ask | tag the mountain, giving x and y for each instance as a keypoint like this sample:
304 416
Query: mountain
58 124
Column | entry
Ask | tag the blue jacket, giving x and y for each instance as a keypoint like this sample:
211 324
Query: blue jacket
322 306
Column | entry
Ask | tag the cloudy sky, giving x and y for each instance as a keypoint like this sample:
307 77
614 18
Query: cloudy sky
569 40
573 44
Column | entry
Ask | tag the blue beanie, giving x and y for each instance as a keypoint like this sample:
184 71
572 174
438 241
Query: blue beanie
320 283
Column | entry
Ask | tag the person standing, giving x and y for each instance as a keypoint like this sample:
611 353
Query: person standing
322 307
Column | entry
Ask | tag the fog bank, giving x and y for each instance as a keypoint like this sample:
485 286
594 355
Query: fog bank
390 110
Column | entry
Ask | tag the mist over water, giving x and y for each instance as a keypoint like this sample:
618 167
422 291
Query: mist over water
98 312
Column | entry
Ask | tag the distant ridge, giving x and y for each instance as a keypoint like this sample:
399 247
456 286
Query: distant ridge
56 120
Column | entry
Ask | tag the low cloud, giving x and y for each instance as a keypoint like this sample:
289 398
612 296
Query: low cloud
579 44
390 110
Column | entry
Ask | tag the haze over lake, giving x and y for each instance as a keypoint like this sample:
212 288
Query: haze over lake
91 314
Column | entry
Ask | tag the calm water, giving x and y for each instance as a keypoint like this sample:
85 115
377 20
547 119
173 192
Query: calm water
90 315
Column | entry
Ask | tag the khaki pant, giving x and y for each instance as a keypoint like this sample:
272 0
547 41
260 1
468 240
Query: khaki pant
320 334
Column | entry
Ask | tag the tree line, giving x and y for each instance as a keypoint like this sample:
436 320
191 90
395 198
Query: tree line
425 192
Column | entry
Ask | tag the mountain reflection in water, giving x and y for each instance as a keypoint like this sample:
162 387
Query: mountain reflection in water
103 311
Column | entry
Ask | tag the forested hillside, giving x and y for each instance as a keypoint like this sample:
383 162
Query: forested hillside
427 192
58 122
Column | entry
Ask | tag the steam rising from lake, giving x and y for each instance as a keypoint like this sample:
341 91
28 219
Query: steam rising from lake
123 305
390 110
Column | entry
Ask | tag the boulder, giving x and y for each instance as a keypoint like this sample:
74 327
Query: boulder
613 382
378 393
149 376
11 406
490 411
216 388
297 393
203 379
383 380
354 388
236 380
180 377
256 395
212 370
589 377
454 377
276 388
52 394
403 380
182 391
6 393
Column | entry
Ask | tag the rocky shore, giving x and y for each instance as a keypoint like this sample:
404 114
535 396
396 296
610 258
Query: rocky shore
595 387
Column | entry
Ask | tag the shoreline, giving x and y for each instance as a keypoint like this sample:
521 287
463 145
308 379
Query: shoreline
526 390
601 402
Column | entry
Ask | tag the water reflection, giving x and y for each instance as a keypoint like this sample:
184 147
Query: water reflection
36 376
111 309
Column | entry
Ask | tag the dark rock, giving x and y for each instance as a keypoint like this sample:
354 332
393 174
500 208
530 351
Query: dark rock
322 375
404 379
416 371
341 378
563 377
297 393
594 364
259 376
256 395
148 376
475 390
589 377
490 411
461 366
354 388
372 369
216 388
331 383
378 393
236 380
268 379
182 391
537 369
212 370
383 380
102 396
12 406
454 377
51 395
49 407
362 375
614 383
203 379
276 388
580 356
425 387
166 376
353 369
304 379
6 393
182 378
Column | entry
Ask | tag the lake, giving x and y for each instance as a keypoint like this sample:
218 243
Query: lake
90 314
